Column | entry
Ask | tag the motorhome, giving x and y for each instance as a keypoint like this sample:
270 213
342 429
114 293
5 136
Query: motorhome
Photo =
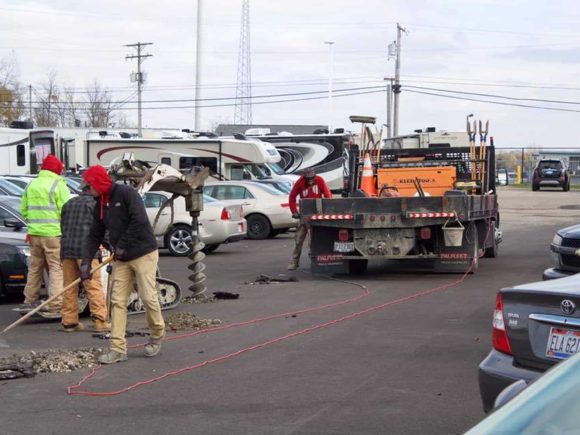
325 153
231 159
427 138
23 150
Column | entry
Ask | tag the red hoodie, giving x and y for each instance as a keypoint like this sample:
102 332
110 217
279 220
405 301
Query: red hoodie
304 190
98 178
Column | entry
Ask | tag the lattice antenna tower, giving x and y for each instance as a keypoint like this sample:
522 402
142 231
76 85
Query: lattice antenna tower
243 106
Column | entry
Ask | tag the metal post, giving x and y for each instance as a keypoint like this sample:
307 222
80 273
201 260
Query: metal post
330 74
198 64
397 86
139 78
30 101
389 107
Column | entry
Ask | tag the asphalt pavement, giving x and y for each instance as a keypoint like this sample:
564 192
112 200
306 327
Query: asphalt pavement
381 353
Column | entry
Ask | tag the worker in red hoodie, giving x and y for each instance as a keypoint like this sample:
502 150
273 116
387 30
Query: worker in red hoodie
309 185
120 210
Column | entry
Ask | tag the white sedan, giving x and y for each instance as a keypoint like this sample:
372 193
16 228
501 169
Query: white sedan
218 223
266 209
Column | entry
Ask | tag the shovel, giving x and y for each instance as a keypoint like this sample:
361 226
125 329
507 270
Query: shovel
50 299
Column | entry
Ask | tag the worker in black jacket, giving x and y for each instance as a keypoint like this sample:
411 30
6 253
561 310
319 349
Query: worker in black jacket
120 210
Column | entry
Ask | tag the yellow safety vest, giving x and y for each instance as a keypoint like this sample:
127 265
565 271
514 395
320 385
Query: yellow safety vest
42 203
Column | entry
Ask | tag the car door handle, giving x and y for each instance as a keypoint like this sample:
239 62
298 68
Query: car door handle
246 203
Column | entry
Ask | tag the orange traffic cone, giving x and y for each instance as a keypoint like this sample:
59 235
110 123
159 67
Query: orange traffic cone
367 183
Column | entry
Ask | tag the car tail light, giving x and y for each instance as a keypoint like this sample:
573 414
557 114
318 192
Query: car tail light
499 339
285 205
425 233
226 215
343 235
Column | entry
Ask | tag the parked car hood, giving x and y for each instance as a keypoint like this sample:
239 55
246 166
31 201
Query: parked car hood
572 232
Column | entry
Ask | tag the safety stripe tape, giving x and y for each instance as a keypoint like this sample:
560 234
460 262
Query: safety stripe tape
42 207
330 217
43 221
430 215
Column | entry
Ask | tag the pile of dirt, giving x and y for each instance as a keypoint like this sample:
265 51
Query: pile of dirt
51 361
183 321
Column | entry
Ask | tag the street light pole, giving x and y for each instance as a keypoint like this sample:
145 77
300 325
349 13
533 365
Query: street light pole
330 74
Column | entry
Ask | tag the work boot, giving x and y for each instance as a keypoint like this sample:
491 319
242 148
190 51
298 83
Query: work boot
101 326
153 347
112 357
73 328
293 266
29 305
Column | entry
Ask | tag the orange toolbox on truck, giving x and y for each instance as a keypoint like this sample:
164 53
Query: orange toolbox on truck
435 180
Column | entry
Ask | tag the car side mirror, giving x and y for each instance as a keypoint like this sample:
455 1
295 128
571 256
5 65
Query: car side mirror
13 223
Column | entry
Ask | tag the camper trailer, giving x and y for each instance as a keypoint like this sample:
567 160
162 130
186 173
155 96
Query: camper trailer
23 150
230 159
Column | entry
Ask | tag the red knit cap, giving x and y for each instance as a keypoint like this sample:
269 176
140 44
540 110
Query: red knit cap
98 178
52 164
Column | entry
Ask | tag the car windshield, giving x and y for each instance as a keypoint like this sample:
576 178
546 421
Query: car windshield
270 189
14 203
13 189
550 165
276 168
207 198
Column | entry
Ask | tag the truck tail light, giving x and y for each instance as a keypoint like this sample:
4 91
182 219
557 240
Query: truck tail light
343 235
226 215
425 233
499 338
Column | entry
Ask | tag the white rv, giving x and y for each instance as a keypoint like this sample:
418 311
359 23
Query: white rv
230 159
22 151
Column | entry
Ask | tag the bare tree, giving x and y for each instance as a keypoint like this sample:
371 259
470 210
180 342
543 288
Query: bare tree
98 106
11 105
46 111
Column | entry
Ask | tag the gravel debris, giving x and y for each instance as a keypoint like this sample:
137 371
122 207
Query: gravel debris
198 299
182 321
54 360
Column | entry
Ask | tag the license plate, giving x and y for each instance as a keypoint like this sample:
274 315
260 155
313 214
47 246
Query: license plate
563 343
343 246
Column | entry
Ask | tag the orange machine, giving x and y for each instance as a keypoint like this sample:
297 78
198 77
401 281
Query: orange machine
435 180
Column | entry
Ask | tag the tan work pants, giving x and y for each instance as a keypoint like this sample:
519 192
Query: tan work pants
44 251
93 287
299 237
126 274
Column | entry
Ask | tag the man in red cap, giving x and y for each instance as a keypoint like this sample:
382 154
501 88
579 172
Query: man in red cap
309 185
120 210
42 203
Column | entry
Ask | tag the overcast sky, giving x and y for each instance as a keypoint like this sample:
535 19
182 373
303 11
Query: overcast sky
522 51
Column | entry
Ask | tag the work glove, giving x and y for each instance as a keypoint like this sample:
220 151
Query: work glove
295 216
85 271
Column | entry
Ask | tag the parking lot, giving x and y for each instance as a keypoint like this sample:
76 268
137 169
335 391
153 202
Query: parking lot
393 351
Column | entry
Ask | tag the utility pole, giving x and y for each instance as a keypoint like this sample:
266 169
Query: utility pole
138 77
330 74
397 86
389 106
198 65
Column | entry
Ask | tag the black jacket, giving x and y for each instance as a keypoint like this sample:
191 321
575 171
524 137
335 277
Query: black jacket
130 233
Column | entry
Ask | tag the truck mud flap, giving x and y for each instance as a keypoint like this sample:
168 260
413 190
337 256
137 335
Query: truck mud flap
458 259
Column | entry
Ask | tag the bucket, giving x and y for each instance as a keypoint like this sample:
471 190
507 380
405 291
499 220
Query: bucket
453 236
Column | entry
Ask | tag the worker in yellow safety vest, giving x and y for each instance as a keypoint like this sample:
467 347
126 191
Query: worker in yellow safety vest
41 207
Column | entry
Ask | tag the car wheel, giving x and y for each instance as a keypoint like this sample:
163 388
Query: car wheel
566 186
210 248
178 241
535 187
259 227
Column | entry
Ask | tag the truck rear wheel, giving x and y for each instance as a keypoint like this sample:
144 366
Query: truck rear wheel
357 267
492 251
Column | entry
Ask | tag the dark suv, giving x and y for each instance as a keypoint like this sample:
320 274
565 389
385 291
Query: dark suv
551 173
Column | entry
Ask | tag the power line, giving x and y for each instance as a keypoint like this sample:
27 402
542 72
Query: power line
556 109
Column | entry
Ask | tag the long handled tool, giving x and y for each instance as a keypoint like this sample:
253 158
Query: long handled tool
54 296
